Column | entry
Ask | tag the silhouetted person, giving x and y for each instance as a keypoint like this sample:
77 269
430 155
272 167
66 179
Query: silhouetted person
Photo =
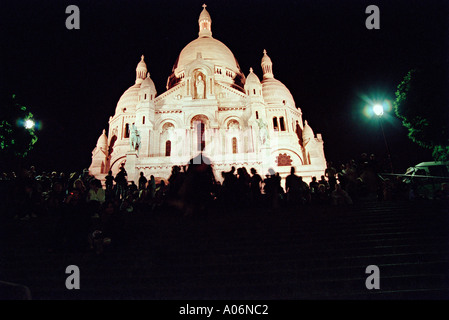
152 188
242 187
199 183
323 195
255 187
293 188
175 182
160 196
142 181
133 190
109 183
340 196
351 179
229 188
112 223
271 188
121 183
77 220
55 199
304 191
96 196
330 174
313 185
324 182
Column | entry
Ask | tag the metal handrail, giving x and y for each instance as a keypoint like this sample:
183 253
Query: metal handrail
414 176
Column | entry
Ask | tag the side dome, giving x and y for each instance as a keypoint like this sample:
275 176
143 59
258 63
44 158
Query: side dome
128 100
102 141
252 78
275 92
148 84
307 132
253 87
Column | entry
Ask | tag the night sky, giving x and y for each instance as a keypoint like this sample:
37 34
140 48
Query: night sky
321 50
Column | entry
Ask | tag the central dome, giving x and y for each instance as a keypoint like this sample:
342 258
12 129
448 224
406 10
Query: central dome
211 50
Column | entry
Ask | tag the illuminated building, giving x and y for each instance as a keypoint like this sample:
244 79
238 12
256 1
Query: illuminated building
209 106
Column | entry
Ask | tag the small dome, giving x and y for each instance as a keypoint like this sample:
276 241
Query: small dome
252 78
148 84
142 65
267 66
307 132
141 70
265 59
204 15
275 92
102 142
128 100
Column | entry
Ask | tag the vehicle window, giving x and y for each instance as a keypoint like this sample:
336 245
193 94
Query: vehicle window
421 172
438 171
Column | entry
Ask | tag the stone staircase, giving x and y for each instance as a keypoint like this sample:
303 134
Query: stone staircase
317 252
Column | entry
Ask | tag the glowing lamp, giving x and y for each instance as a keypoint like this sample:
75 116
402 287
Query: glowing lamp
29 124
378 110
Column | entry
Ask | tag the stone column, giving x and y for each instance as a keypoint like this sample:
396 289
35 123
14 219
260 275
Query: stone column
130 166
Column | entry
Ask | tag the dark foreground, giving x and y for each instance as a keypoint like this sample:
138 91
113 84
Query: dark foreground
319 253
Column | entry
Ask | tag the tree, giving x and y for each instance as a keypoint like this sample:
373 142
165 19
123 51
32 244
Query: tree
422 105
16 140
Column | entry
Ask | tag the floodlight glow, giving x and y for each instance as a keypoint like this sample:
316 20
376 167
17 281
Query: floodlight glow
378 109
29 124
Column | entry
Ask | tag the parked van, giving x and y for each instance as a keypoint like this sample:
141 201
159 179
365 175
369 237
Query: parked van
427 177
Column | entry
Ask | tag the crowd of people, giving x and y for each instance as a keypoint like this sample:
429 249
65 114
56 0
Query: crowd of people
83 205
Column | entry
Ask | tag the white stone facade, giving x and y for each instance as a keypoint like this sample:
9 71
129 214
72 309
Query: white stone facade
211 106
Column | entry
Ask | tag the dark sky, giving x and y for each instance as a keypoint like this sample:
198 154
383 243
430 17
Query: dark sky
321 50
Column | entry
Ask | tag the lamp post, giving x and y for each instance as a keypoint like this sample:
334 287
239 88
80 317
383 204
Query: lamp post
378 110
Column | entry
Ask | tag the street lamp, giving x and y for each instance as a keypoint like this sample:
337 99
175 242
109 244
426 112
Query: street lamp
29 124
378 110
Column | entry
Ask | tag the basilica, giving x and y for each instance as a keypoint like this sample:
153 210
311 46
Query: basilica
212 110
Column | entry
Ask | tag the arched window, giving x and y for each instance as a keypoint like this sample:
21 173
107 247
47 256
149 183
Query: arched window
234 145
126 133
257 114
254 91
200 136
275 124
168 148
111 144
143 120
199 127
233 124
145 98
281 123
